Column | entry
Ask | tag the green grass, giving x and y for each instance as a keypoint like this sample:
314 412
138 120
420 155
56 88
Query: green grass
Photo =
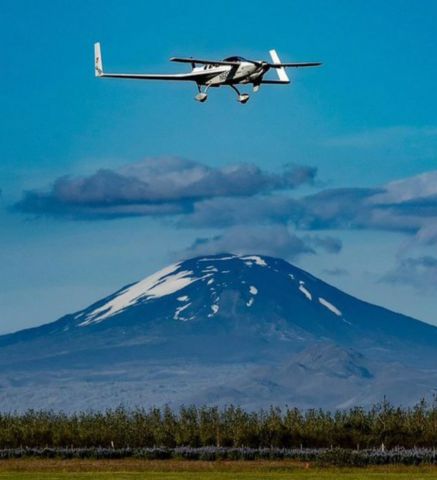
218 476
185 470
311 475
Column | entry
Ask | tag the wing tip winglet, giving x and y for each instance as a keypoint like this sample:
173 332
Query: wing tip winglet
98 63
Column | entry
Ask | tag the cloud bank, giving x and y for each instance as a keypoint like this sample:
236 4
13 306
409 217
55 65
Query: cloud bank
255 210
156 187
408 206
243 194
274 240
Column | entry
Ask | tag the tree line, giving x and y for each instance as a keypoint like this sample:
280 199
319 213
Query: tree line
382 426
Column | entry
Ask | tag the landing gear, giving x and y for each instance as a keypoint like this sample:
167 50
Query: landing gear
242 97
201 96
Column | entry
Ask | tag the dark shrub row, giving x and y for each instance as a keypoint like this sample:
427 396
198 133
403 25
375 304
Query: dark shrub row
338 457
230 428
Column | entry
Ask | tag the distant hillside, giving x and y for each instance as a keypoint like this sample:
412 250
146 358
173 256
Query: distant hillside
251 330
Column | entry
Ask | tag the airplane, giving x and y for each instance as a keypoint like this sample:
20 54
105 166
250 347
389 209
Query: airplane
231 71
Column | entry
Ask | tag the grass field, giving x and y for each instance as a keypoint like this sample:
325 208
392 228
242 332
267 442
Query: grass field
185 470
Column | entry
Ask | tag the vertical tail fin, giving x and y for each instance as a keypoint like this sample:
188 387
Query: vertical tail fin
282 74
98 64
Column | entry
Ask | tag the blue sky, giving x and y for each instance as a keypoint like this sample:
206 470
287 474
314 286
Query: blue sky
363 120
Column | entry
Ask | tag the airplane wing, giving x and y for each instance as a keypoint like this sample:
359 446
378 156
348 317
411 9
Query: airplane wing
98 64
276 82
150 76
295 65
280 67
203 62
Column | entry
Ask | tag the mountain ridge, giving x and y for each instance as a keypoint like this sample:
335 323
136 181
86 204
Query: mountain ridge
245 314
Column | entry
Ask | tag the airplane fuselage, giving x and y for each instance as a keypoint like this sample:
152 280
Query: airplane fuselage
218 75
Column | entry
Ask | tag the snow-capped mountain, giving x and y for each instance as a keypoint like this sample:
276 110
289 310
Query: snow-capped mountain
226 328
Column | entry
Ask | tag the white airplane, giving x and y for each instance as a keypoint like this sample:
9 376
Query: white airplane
231 71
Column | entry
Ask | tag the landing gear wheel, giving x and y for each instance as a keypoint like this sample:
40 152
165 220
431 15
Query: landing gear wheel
243 98
201 97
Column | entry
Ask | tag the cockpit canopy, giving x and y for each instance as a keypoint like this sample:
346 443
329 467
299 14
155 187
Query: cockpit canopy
235 59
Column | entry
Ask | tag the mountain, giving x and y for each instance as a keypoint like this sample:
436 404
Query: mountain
252 330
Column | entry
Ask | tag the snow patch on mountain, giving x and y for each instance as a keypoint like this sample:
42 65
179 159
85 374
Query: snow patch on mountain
215 308
165 282
330 307
305 291
178 312
215 259
256 259
210 268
